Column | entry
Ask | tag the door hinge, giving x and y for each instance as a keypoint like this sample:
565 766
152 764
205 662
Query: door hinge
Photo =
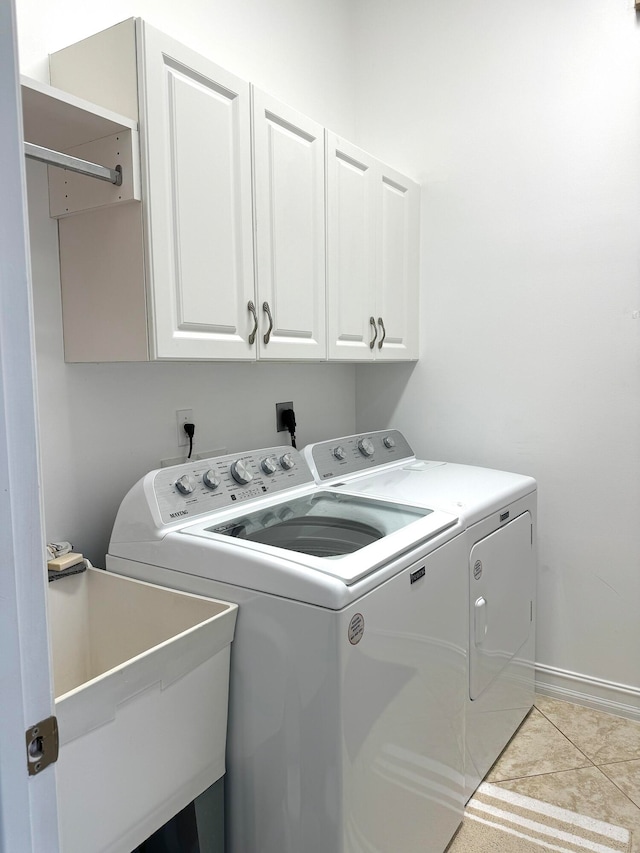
42 745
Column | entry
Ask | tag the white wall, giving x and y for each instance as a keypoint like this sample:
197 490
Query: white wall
298 50
104 426
522 124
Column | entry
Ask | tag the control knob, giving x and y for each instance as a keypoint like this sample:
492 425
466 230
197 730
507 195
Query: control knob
240 472
365 446
286 461
211 479
268 465
185 484
339 453
389 441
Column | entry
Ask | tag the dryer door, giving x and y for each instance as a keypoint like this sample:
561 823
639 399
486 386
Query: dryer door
501 578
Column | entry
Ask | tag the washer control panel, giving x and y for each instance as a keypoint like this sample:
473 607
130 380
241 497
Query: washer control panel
355 453
188 490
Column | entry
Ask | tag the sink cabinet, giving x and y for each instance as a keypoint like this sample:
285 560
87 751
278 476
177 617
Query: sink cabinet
141 676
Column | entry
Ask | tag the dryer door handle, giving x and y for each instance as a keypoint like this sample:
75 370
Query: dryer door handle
480 620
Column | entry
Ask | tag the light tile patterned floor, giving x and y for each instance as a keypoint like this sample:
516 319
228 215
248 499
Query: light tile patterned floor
571 757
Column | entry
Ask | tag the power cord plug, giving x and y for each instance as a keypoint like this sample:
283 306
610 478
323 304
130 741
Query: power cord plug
289 421
190 430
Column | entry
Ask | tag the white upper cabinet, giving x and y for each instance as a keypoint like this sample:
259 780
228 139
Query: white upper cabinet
196 134
397 254
290 231
259 235
351 258
196 248
372 257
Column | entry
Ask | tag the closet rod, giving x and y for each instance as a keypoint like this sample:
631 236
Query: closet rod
74 164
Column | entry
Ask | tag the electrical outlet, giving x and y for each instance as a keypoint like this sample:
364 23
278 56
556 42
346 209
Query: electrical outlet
280 407
183 416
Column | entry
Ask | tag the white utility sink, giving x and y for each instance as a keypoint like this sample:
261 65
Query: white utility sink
141 676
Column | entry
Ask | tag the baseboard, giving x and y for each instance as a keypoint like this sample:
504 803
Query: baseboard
620 699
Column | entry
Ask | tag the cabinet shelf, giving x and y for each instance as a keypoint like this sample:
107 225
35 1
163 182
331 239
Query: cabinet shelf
55 119
67 124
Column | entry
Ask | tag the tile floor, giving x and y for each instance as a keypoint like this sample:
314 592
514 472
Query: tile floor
570 756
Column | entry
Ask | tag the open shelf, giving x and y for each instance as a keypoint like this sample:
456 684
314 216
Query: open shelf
58 120
65 123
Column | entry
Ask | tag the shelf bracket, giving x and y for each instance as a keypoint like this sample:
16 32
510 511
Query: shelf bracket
73 164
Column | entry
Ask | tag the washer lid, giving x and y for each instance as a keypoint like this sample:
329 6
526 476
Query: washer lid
336 533
322 524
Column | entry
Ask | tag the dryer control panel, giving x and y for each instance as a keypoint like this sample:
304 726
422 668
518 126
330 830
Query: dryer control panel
206 485
353 454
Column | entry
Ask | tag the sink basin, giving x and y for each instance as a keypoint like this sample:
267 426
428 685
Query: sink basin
141 678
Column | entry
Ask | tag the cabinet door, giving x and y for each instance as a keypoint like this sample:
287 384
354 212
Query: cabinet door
397 266
351 259
195 126
290 224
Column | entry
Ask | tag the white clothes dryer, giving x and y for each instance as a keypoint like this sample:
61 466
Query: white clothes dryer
348 667
497 511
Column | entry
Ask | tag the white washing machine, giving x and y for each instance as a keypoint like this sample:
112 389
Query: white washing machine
348 667
497 511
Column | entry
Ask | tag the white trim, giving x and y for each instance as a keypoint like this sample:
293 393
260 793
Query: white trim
597 693
28 819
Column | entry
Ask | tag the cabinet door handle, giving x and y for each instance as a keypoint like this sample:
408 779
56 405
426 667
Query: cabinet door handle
384 333
267 310
252 308
372 342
